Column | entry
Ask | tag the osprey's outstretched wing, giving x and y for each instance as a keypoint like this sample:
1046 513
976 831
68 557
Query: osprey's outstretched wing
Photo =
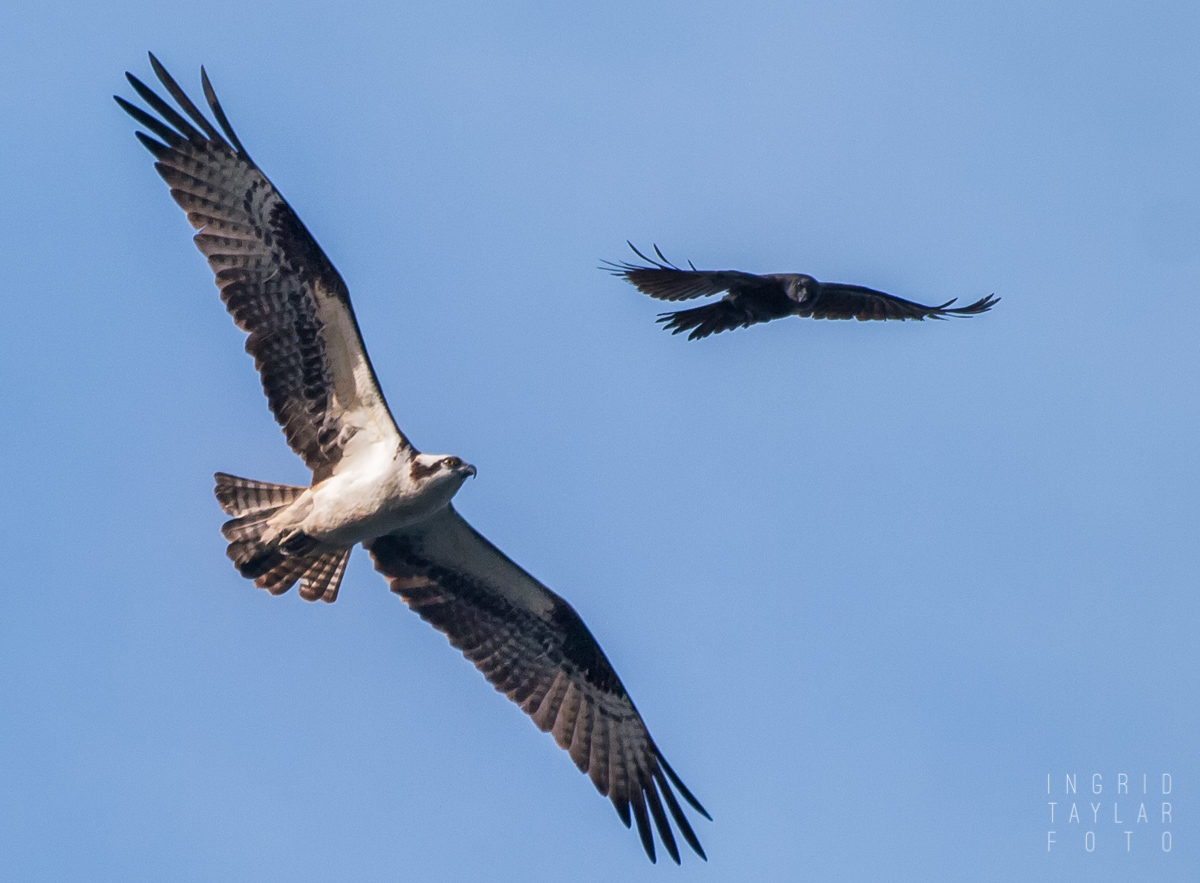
753 298
274 279
533 647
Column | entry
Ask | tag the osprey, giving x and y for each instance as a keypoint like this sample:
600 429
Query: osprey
371 486
753 299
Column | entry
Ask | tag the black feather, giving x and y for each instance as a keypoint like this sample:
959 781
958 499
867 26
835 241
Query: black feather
183 101
168 113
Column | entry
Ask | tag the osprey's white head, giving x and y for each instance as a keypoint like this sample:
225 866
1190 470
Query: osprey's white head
439 476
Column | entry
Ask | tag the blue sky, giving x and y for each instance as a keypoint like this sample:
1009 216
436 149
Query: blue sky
869 584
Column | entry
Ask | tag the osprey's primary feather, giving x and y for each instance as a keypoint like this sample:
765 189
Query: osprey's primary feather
370 484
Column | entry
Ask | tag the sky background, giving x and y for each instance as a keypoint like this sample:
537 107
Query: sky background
869 584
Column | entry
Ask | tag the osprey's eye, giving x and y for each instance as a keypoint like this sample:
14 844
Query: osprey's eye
452 462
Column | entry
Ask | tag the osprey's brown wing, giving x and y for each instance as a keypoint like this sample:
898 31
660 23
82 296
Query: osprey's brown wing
533 647
274 278
833 300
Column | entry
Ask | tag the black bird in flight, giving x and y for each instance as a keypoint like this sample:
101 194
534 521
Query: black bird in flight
753 298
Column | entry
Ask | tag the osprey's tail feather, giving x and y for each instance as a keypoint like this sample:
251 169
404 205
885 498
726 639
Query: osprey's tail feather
275 566
320 582
241 496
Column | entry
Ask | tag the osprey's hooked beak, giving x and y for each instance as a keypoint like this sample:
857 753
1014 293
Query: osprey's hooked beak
467 469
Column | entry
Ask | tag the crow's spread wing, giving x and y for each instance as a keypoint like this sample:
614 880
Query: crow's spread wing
665 281
834 300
